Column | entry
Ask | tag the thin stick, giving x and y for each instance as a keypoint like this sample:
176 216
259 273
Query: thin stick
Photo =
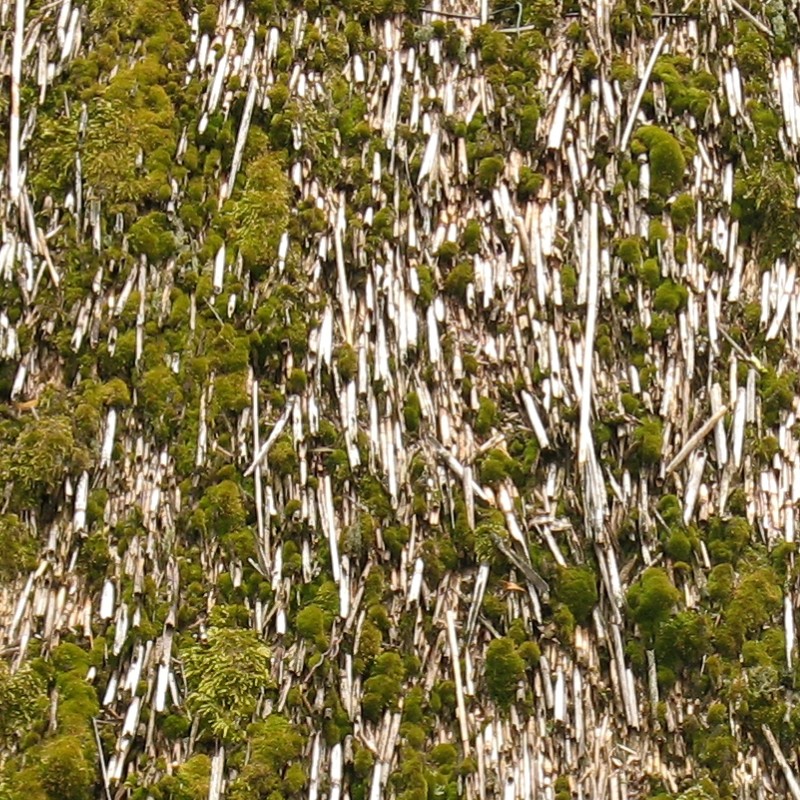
103 769
696 438
623 145
13 133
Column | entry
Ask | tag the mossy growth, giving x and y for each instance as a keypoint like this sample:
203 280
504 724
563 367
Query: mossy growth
656 235
777 394
458 280
504 669
630 251
495 467
23 701
683 211
471 237
569 284
276 747
682 642
382 689
660 324
667 162
757 599
282 457
151 236
651 600
412 412
260 215
427 286
297 381
226 676
493 45
447 253
18 547
347 361
486 417
727 539
489 170
530 183
670 297
223 508
686 89
311 624
650 273
764 202
648 441
576 588
528 120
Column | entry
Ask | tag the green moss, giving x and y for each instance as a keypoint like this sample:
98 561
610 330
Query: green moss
382 689
670 297
347 361
667 162
458 280
283 458
648 437
471 238
529 185
412 412
151 236
678 546
66 772
448 252
651 600
504 669
310 624
427 286
656 234
258 217
528 117
225 676
489 170
630 251
18 547
297 381
727 539
223 507
650 273
660 325
577 589
486 417
777 394
682 211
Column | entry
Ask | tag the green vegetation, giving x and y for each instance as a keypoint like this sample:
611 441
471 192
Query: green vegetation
651 600
504 669
259 216
667 162
577 590
226 677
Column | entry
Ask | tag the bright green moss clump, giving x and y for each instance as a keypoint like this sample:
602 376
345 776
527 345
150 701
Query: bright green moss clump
683 211
651 600
630 251
648 437
577 589
670 297
260 215
504 670
486 417
226 677
489 170
458 280
152 237
667 162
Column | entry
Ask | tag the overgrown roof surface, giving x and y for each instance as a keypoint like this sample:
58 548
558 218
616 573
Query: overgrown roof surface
398 406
